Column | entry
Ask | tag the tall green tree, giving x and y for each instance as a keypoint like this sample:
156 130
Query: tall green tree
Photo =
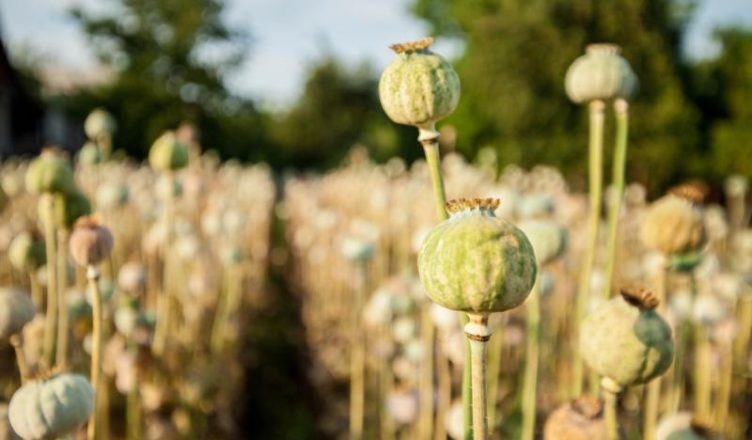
170 58
513 66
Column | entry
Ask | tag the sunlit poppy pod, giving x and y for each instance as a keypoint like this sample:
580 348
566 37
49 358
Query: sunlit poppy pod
419 87
601 74
90 243
167 153
49 173
16 309
673 225
626 341
476 262
580 419
99 123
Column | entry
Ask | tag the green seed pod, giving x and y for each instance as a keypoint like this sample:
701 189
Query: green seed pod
99 123
476 262
16 309
51 407
90 154
167 153
547 237
673 225
26 252
626 341
580 419
419 87
70 207
600 74
49 173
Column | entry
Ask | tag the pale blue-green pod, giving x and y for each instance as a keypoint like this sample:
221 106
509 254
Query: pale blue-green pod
626 341
601 74
16 309
27 252
52 407
681 426
419 87
548 238
476 262
6 433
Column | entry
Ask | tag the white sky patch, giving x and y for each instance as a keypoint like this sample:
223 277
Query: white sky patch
288 36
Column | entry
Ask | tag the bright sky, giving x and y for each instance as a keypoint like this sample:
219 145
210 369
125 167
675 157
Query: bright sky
289 35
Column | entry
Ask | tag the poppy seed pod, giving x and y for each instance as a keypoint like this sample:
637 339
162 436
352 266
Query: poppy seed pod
167 153
90 243
51 407
6 432
49 173
16 310
626 341
99 123
70 207
673 225
90 154
26 252
419 87
476 262
547 237
580 419
682 426
600 74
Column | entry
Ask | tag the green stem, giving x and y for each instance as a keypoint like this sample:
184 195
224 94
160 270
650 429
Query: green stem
496 345
619 162
677 382
92 274
702 372
429 138
62 323
52 305
531 364
165 299
23 367
612 422
478 333
595 184
444 393
357 358
426 378
652 398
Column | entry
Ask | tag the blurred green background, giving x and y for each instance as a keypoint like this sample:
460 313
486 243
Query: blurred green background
691 118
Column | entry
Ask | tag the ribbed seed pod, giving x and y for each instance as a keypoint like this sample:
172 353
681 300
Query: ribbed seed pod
16 310
26 252
601 74
419 87
99 123
51 407
90 243
167 153
476 262
626 341
673 225
49 173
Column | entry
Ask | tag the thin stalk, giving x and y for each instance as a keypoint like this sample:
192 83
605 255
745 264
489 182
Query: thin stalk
92 274
429 138
426 377
52 296
702 371
133 404
741 345
444 394
612 421
621 110
653 394
357 359
63 325
677 382
165 299
531 363
478 332
496 345
595 184
724 388
36 290
23 367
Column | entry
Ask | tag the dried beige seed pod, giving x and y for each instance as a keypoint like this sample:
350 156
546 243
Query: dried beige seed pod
673 225
90 243
580 419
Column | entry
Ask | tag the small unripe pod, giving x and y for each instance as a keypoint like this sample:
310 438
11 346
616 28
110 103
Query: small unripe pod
476 262
626 341
26 252
600 74
90 154
49 173
547 237
167 153
419 87
90 243
70 207
99 123
16 310
673 225
52 407
580 419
